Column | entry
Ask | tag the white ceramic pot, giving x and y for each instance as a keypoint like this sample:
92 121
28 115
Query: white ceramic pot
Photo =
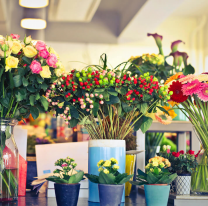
183 184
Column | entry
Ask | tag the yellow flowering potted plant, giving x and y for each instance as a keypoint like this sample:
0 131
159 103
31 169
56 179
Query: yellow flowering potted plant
156 181
66 180
26 71
110 182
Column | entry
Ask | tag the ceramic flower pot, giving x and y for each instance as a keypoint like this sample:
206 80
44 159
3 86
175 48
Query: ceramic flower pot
110 195
183 184
67 194
130 164
156 195
104 150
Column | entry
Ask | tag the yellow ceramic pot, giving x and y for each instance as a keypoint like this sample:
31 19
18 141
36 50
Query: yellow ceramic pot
130 164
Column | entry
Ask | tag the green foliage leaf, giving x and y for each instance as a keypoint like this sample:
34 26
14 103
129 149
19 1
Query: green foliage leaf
20 94
113 100
99 90
40 80
23 110
141 173
44 86
106 96
31 89
3 140
125 179
7 132
5 101
37 97
25 82
34 112
147 97
32 100
1 72
144 107
73 122
26 60
151 179
112 91
106 178
92 178
147 121
76 178
11 81
95 108
126 107
44 102
74 112
189 69
17 80
122 90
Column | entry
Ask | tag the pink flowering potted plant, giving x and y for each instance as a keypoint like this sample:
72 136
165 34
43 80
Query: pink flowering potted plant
66 180
26 71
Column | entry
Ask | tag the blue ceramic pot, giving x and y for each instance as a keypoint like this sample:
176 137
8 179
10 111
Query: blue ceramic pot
110 195
67 194
157 195
104 150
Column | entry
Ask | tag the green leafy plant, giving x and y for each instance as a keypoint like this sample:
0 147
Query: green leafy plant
65 174
156 173
109 173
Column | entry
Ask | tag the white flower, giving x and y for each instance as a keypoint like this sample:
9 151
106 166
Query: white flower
164 147
168 146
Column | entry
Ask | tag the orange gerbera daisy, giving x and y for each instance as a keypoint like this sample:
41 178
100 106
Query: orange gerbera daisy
170 111
174 77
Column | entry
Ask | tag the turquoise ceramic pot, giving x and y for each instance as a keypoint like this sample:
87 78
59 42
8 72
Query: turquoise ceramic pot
156 195
104 150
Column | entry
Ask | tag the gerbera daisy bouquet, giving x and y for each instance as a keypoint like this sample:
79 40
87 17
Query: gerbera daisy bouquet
191 92
110 103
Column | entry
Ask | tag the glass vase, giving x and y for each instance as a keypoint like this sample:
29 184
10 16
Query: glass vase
9 161
199 179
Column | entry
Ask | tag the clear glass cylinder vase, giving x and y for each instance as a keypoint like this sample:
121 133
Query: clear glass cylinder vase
9 161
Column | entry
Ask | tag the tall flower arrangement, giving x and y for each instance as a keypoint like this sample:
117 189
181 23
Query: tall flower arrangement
191 91
26 71
118 99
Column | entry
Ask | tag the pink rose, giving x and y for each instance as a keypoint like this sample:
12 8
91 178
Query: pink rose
44 53
64 165
15 36
168 151
52 60
40 45
35 67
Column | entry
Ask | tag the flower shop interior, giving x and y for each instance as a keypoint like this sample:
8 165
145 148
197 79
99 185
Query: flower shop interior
103 102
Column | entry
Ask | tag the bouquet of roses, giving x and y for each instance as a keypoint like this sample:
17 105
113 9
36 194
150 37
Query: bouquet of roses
118 99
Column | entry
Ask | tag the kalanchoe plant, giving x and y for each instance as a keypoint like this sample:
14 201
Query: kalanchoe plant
111 95
67 173
181 162
156 173
109 173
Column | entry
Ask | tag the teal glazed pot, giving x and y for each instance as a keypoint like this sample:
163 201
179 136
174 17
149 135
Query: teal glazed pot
157 195
110 194
104 150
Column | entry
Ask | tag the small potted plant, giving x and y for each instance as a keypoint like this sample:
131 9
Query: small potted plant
156 181
110 182
66 182
184 164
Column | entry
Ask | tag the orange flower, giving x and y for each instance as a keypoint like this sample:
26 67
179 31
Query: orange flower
174 77
172 103
170 111
163 118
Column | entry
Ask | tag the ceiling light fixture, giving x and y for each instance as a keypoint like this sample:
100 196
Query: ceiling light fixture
33 3
34 24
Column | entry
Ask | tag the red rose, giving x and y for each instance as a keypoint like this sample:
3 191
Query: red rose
181 152
173 153
177 154
129 79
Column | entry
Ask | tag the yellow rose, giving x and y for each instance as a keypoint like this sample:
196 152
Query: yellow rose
30 51
11 62
155 164
45 73
27 40
106 171
16 47
99 163
107 163
116 167
60 70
